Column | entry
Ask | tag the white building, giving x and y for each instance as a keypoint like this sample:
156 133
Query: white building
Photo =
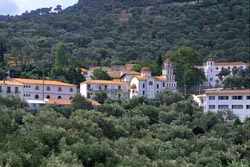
133 84
212 69
149 86
11 88
35 92
238 101
115 89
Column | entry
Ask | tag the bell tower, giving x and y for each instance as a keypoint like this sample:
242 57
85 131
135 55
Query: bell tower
168 70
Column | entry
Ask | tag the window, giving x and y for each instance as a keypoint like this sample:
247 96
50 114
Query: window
211 97
59 97
211 106
48 97
223 97
70 98
37 88
143 92
157 86
8 89
36 96
223 107
150 83
48 88
248 97
16 90
0 89
119 87
237 98
100 88
59 89
143 85
26 95
163 84
89 86
237 106
248 107
106 87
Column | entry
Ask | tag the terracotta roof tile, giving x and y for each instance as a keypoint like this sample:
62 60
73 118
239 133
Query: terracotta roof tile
141 78
230 63
220 91
59 102
41 82
105 82
10 82
114 74
160 78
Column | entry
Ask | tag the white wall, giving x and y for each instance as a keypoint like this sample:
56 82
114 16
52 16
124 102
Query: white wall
53 93
241 113
12 93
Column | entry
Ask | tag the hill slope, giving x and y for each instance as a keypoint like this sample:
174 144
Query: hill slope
115 31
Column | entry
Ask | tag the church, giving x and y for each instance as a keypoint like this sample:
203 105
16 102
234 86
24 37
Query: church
133 84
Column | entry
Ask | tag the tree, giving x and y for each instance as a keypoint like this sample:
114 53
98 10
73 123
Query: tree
240 79
61 56
99 74
137 67
3 50
185 59
223 73
80 102
58 8
168 98
101 97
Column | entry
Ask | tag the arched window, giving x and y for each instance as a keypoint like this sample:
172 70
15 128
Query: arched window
48 97
36 96
59 97
59 89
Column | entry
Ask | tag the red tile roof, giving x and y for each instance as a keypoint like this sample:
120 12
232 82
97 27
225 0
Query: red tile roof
41 82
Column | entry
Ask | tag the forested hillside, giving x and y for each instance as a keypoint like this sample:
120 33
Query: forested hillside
114 31
169 132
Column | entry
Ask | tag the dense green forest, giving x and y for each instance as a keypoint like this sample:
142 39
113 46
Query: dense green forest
170 131
105 32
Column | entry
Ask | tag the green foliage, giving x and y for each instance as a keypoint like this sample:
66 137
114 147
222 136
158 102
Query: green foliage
184 59
61 56
137 67
99 74
239 79
80 102
12 102
65 67
101 97
127 30
224 72
172 133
